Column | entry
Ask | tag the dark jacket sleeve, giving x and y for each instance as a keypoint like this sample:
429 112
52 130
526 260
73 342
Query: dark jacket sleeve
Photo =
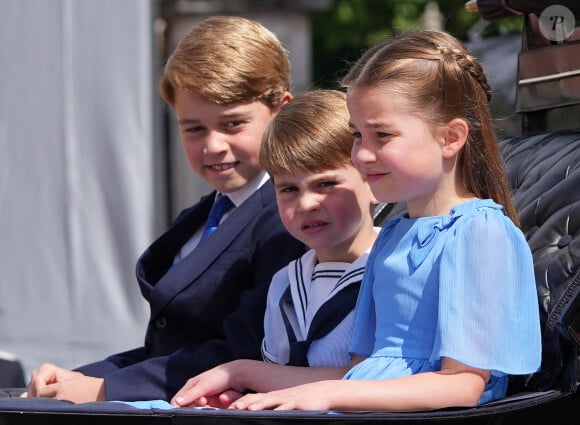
134 375
11 374
113 363
161 377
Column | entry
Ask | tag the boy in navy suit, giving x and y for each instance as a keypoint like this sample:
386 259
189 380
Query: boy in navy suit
225 80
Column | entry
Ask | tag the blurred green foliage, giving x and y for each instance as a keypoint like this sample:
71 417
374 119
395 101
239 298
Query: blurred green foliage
342 33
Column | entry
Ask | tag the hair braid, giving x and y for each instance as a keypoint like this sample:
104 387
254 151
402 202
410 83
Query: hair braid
469 64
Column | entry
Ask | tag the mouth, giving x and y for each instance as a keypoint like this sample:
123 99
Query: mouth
222 167
314 225
374 175
371 172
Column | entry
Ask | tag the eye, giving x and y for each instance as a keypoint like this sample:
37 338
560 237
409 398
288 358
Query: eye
328 183
288 189
193 129
356 134
231 125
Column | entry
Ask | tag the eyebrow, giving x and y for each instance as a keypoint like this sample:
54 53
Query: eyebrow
323 176
188 121
284 184
224 116
371 125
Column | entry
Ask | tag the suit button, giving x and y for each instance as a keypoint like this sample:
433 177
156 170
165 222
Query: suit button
161 322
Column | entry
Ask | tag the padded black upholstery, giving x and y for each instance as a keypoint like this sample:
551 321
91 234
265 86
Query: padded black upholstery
544 174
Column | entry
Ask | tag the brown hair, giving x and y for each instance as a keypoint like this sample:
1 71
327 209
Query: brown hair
441 81
310 133
228 59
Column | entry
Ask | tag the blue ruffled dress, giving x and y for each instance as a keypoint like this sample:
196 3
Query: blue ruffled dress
460 286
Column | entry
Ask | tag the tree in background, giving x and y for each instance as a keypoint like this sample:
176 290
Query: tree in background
343 32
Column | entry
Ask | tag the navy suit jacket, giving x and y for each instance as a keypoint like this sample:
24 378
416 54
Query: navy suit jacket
209 308
11 374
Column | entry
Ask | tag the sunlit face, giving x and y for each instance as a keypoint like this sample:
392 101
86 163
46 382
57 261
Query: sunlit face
397 152
221 142
329 211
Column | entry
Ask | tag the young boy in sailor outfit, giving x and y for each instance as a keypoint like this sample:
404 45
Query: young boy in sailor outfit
324 202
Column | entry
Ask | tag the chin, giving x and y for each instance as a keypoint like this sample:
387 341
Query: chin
230 186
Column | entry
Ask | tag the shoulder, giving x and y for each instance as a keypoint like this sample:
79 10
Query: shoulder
262 203
494 237
276 290
267 194
483 218
279 282
260 217
289 274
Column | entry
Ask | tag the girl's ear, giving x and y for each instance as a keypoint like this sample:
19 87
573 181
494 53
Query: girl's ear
455 135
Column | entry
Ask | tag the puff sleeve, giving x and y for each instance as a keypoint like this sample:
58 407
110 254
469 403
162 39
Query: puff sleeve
488 307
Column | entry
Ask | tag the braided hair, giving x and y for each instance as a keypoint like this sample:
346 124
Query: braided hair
441 80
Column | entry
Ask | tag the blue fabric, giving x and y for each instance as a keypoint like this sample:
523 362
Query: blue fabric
150 404
221 206
460 286
159 405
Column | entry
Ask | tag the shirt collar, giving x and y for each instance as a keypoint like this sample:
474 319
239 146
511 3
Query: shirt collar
239 196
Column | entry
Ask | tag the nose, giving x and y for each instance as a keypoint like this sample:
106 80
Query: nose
308 201
215 142
361 154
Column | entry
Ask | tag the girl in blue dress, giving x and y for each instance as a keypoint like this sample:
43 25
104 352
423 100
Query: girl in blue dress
448 307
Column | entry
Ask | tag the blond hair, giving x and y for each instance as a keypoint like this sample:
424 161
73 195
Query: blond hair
228 59
310 133
441 80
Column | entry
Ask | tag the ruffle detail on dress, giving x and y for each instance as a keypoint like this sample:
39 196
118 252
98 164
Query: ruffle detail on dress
428 232
426 237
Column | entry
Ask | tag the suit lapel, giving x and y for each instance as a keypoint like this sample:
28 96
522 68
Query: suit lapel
186 272
158 258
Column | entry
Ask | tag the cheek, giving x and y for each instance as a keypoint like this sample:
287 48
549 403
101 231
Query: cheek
286 213
399 157
287 218
194 154
346 209
247 147
390 157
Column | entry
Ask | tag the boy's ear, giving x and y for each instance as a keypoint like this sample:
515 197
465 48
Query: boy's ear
286 97
454 137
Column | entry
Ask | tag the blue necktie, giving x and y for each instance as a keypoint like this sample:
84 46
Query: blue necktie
222 205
